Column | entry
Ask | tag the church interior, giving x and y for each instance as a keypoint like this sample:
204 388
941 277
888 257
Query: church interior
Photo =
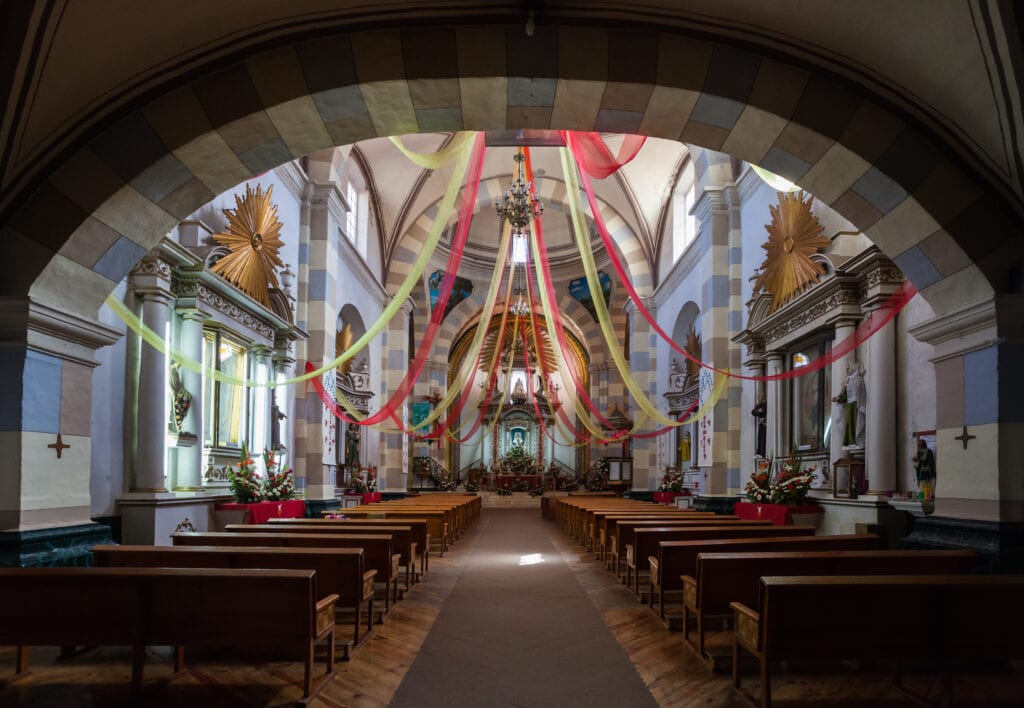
512 320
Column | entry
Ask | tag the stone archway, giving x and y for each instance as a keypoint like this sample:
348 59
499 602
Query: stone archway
76 233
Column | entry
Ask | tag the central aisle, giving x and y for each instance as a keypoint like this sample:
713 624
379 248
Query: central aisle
518 630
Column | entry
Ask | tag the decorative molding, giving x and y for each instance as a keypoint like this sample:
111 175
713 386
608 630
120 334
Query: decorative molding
153 265
53 331
235 312
818 310
292 178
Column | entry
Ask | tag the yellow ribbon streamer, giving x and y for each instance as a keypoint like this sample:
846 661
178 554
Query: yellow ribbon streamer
433 161
426 251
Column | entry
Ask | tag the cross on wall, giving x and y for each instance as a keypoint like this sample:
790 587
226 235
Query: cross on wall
965 437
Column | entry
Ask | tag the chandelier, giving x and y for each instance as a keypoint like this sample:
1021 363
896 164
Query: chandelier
519 203
519 307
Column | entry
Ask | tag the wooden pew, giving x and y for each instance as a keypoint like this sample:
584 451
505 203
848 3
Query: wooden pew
377 550
944 618
620 531
418 527
597 536
339 571
647 540
437 524
678 558
401 538
723 578
179 607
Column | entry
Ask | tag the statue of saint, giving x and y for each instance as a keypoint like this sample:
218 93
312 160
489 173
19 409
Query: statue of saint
519 391
352 444
684 450
853 396
924 467
182 398
760 414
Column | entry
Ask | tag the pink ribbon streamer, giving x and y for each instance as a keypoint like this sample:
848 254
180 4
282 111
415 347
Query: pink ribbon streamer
595 157
871 324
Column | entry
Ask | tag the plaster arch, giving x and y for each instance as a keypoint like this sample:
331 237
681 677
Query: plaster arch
99 209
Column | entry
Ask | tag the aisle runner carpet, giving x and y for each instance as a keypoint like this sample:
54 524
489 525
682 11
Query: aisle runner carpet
518 630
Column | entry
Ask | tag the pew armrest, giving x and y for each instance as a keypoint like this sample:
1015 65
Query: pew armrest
652 561
689 591
325 615
369 577
747 626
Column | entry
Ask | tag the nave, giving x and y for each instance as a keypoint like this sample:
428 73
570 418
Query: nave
515 613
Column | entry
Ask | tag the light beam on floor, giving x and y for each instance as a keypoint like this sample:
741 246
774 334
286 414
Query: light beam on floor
532 559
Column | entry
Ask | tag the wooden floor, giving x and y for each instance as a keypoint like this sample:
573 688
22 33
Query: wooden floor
673 672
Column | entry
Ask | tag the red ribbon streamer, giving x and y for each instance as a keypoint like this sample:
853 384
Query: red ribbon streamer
389 409
595 157
871 324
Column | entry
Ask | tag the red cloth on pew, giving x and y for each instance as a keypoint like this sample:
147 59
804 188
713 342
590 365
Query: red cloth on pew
780 514
259 512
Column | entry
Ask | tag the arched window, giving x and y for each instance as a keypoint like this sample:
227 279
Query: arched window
684 226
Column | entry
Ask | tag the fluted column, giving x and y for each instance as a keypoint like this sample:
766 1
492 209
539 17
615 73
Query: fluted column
880 426
152 405
775 442
188 473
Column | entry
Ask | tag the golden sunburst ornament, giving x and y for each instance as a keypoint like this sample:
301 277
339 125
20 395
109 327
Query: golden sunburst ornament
253 235
693 348
793 236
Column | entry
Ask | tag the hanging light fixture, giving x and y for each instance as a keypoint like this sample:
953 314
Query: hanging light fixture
520 202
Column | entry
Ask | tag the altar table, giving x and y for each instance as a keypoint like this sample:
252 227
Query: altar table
780 514
365 497
259 512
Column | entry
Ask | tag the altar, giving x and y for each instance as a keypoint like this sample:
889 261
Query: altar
260 512
507 481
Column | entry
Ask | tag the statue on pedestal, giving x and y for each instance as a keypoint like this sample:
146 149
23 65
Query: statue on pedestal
760 414
853 397
924 467
352 444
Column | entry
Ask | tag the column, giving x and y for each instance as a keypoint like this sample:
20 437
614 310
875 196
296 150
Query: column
775 443
844 330
260 405
152 403
880 426
189 460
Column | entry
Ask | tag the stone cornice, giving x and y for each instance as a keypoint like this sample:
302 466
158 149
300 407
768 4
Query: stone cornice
53 331
293 178
327 196
713 199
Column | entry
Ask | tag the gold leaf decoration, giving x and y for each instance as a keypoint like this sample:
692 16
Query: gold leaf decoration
253 235
793 236
693 348
342 341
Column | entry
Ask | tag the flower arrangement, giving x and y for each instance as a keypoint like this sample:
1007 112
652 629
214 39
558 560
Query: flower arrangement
364 481
789 487
280 484
243 481
671 481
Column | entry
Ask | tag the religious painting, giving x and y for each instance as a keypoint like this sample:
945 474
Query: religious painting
461 289
822 476
580 289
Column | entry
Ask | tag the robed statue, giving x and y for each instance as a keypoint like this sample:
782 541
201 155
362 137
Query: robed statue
853 398
760 414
